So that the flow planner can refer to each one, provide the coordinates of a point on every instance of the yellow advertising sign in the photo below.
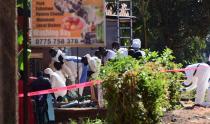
(74, 23)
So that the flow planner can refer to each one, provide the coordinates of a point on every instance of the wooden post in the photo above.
(8, 63)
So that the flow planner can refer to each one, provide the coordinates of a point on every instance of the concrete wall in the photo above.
(8, 69)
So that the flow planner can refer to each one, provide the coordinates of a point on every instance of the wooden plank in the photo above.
(36, 55)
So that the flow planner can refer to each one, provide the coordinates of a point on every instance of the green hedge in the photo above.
(136, 91)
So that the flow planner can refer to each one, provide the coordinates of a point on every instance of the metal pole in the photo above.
(78, 65)
(118, 21)
(131, 21)
(78, 80)
(25, 62)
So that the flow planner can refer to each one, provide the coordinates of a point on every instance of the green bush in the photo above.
(119, 81)
(166, 60)
(153, 88)
(136, 91)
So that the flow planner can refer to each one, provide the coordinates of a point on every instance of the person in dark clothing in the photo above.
(115, 46)
(41, 83)
(41, 106)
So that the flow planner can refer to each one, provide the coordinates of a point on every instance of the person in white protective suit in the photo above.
(58, 56)
(95, 65)
(119, 50)
(57, 80)
(135, 51)
(110, 54)
(197, 77)
(68, 70)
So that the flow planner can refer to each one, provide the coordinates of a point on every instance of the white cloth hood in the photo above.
(123, 51)
(93, 62)
(59, 53)
(136, 43)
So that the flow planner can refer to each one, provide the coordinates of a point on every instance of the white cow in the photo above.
(197, 77)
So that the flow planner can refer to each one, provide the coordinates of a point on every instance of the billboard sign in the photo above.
(73, 23)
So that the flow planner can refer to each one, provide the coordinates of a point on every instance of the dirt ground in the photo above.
(188, 115)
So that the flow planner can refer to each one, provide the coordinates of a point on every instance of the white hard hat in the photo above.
(136, 43)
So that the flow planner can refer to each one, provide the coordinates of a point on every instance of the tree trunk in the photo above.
(144, 12)
(8, 64)
(145, 33)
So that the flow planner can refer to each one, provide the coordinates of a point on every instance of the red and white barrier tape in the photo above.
(184, 69)
(86, 84)
(74, 86)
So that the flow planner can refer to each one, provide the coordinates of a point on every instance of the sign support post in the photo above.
(25, 62)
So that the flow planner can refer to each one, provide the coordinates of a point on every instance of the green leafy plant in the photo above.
(166, 60)
(136, 91)
(20, 52)
(89, 121)
(119, 82)
(153, 88)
